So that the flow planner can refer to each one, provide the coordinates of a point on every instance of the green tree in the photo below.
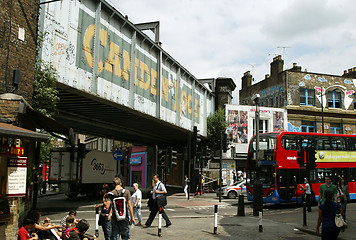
(45, 96)
(216, 125)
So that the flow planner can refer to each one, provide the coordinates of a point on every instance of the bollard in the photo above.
(260, 228)
(97, 221)
(215, 219)
(160, 222)
(241, 206)
(304, 214)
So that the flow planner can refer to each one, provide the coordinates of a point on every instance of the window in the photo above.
(263, 126)
(307, 97)
(308, 126)
(338, 143)
(334, 99)
(335, 128)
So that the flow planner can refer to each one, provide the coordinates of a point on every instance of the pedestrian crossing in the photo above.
(209, 207)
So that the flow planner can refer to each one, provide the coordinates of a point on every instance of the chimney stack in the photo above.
(277, 66)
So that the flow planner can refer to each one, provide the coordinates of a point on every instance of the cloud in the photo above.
(223, 38)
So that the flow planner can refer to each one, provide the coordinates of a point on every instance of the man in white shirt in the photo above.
(158, 190)
(136, 201)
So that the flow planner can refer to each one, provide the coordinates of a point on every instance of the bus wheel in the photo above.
(232, 195)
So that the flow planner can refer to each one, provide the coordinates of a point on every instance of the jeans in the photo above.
(137, 210)
(107, 228)
(120, 228)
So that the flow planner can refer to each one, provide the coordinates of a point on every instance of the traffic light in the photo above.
(195, 141)
(198, 160)
(312, 158)
(300, 157)
(224, 143)
(161, 157)
(172, 157)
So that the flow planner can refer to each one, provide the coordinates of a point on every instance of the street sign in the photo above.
(118, 155)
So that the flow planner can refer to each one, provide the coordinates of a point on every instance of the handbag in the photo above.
(161, 201)
(339, 221)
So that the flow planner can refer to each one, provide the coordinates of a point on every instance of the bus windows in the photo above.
(338, 144)
(289, 142)
(323, 143)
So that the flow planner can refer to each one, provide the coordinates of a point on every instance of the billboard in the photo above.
(240, 120)
(99, 51)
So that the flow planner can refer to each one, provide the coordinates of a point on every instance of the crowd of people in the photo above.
(118, 212)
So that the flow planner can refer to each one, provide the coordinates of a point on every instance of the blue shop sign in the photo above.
(135, 160)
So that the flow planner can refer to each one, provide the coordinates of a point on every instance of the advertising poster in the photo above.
(17, 175)
(278, 121)
(237, 128)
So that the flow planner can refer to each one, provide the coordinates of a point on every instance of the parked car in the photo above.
(232, 191)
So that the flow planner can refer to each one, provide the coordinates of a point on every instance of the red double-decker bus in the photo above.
(282, 176)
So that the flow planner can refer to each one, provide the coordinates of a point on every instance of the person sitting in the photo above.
(72, 213)
(78, 233)
(69, 225)
(43, 231)
(24, 233)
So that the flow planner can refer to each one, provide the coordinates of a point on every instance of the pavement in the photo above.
(197, 221)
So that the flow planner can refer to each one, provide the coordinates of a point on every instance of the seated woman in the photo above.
(43, 231)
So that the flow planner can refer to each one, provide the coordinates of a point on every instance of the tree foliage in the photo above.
(216, 125)
(45, 93)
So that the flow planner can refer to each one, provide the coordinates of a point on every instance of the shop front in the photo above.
(138, 166)
(19, 160)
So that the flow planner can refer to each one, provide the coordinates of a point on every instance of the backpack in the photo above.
(120, 205)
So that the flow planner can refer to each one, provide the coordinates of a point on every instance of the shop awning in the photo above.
(8, 130)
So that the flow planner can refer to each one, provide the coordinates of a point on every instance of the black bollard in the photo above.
(304, 214)
(241, 206)
(97, 221)
(215, 219)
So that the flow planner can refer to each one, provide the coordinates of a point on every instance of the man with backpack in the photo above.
(121, 200)
(159, 190)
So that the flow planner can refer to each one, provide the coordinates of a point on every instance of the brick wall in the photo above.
(14, 52)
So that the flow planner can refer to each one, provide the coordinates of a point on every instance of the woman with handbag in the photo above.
(327, 214)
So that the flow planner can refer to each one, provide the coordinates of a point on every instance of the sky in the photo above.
(226, 38)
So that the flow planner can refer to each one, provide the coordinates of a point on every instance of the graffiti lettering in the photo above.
(118, 63)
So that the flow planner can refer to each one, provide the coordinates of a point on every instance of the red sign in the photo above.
(13, 151)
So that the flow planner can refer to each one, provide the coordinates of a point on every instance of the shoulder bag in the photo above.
(161, 200)
(339, 221)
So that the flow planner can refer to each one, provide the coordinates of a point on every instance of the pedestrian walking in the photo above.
(186, 186)
(120, 227)
(105, 216)
(327, 186)
(345, 189)
(327, 212)
(136, 201)
(158, 190)
(308, 194)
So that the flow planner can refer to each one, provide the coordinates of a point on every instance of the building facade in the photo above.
(315, 102)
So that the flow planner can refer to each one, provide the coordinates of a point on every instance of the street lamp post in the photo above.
(322, 109)
(257, 185)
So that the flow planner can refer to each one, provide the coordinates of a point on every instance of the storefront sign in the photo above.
(16, 176)
(135, 160)
(14, 151)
